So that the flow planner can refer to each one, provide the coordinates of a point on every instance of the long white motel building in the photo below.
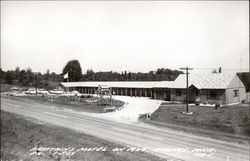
(226, 88)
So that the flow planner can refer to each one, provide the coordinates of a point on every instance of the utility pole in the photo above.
(36, 82)
(187, 92)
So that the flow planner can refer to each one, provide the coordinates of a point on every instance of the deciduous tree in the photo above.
(74, 70)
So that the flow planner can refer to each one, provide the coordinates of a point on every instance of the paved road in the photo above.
(160, 141)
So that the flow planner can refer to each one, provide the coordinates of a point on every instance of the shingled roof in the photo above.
(205, 80)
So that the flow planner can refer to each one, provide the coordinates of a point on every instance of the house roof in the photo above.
(200, 81)
(205, 80)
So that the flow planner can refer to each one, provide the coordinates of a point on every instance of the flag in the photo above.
(66, 76)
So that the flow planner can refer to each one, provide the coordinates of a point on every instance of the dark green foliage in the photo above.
(245, 78)
(29, 78)
(2, 74)
(9, 77)
(74, 70)
(159, 75)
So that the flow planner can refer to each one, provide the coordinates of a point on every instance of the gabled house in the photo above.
(225, 88)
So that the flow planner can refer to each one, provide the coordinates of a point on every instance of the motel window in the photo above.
(197, 93)
(213, 94)
(178, 92)
(236, 93)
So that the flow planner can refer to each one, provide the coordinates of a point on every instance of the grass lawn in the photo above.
(232, 120)
(75, 103)
(20, 135)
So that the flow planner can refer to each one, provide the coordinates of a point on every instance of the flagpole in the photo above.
(68, 79)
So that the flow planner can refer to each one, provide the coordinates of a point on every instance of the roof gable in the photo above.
(205, 80)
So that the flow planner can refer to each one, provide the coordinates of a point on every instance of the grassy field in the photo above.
(76, 103)
(233, 120)
(19, 136)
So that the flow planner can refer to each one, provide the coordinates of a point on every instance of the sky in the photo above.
(136, 36)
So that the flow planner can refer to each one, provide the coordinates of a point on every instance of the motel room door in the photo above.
(163, 95)
(167, 96)
(193, 93)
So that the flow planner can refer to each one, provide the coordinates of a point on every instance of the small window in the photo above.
(178, 92)
(197, 93)
(236, 93)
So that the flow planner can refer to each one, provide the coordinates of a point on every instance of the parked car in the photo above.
(72, 93)
(31, 91)
(16, 89)
(24, 89)
(75, 93)
(56, 91)
(42, 91)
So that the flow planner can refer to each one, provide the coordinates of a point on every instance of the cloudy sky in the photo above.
(133, 36)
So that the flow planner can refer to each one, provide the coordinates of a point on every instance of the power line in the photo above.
(232, 69)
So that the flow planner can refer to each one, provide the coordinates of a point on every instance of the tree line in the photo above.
(74, 71)
(49, 80)
(160, 74)
(26, 77)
